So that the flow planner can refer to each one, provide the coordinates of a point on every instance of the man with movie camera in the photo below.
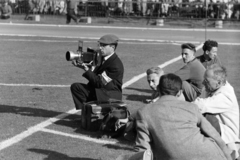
(105, 80)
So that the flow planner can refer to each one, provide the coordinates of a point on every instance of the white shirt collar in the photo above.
(105, 58)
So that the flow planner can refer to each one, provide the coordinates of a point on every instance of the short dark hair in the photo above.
(189, 46)
(170, 84)
(209, 44)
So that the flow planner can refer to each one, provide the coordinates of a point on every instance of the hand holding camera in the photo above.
(80, 64)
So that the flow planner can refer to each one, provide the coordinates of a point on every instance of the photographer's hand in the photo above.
(80, 65)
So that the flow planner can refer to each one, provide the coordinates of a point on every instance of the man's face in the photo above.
(106, 49)
(212, 53)
(153, 81)
(187, 55)
(210, 83)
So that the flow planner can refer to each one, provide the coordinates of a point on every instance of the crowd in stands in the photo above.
(221, 9)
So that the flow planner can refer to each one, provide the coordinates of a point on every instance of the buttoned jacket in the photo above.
(113, 67)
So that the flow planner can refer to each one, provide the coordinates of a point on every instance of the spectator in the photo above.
(191, 73)
(175, 129)
(71, 11)
(150, 7)
(31, 5)
(153, 76)
(165, 6)
(236, 10)
(229, 10)
(128, 9)
(222, 104)
(143, 7)
(209, 56)
(59, 7)
(105, 81)
(5, 10)
(13, 5)
(211, 11)
(41, 6)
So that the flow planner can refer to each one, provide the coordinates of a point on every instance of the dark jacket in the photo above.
(193, 73)
(114, 69)
(170, 128)
(207, 61)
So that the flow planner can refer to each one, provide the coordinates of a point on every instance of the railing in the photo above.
(132, 8)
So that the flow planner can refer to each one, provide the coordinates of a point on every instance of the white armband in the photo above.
(105, 79)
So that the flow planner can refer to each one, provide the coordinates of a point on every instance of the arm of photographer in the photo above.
(109, 79)
(97, 81)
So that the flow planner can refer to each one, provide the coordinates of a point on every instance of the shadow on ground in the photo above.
(116, 147)
(139, 90)
(135, 97)
(27, 111)
(72, 121)
(53, 155)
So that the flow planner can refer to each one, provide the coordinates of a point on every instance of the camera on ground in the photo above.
(91, 57)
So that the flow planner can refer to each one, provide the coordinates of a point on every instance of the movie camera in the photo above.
(91, 57)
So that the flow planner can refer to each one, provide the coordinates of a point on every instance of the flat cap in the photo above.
(108, 39)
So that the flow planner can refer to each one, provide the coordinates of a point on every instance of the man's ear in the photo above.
(219, 83)
(180, 96)
(179, 93)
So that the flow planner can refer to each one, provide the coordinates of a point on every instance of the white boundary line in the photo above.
(33, 85)
(117, 27)
(36, 128)
(39, 127)
(136, 78)
(57, 41)
(87, 138)
(96, 38)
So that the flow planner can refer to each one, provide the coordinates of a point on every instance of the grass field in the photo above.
(35, 80)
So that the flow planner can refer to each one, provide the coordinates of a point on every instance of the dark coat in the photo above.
(171, 129)
(114, 69)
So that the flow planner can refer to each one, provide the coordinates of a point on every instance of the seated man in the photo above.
(221, 102)
(5, 10)
(209, 56)
(153, 76)
(175, 129)
(191, 73)
(105, 81)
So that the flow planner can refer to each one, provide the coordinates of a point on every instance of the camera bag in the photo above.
(93, 113)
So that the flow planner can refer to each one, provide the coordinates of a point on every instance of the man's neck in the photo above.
(206, 57)
(191, 60)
